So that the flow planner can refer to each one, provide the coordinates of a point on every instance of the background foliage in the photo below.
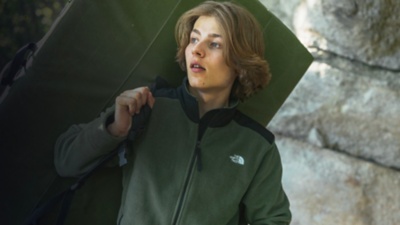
(24, 21)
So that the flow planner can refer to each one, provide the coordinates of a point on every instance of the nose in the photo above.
(198, 49)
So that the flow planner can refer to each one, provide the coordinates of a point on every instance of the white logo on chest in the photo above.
(237, 159)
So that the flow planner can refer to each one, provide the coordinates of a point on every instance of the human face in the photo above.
(206, 67)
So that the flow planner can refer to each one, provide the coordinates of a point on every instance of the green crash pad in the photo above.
(94, 51)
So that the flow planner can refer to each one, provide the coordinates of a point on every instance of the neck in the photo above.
(209, 101)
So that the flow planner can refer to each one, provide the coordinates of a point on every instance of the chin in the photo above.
(195, 82)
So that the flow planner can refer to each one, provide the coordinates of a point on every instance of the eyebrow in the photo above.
(210, 35)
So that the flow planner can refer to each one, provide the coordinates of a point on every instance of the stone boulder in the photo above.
(339, 130)
(329, 188)
(347, 107)
(366, 31)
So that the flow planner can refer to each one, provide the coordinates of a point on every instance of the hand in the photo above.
(127, 105)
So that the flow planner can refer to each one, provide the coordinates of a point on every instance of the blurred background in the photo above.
(24, 21)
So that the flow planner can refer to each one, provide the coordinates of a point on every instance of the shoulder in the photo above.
(248, 123)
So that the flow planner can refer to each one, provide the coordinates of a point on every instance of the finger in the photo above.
(133, 105)
(150, 99)
(125, 103)
(138, 101)
(142, 96)
(146, 97)
(135, 99)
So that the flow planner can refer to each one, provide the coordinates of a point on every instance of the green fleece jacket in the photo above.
(221, 169)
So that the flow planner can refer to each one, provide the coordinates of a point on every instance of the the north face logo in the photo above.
(237, 159)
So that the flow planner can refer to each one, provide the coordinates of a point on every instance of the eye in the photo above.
(215, 45)
(193, 40)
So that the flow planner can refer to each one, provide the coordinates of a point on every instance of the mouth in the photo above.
(196, 66)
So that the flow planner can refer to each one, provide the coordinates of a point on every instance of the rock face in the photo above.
(346, 107)
(365, 31)
(339, 130)
(327, 188)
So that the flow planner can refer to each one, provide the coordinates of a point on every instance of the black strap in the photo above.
(65, 197)
(10, 70)
(17, 63)
(40, 211)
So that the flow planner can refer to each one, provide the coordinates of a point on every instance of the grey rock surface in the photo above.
(329, 188)
(366, 31)
(345, 107)
(339, 130)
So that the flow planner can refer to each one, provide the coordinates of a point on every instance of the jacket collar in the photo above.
(214, 118)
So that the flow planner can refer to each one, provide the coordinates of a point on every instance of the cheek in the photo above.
(188, 50)
(219, 59)
(187, 56)
(221, 62)
(229, 72)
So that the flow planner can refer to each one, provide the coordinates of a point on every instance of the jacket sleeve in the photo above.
(81, 146)
(265, 201)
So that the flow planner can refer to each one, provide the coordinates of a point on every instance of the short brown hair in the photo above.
(244, 48)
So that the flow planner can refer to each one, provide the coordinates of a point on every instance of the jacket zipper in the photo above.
(196, 154)
(185, 188)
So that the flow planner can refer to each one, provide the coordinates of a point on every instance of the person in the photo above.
(200, 160)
